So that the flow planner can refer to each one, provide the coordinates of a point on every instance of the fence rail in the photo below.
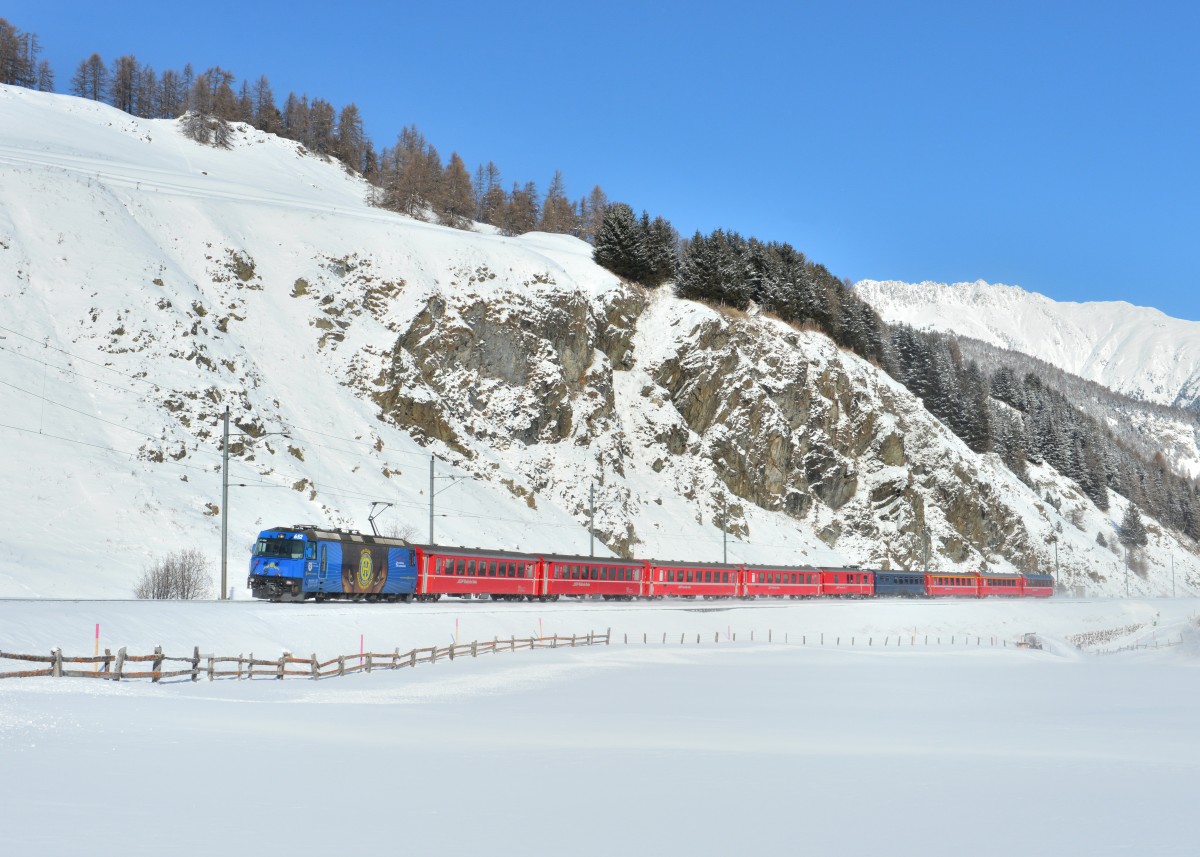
(113, 667)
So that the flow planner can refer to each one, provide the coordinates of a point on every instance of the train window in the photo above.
(690, 575)
(670, 575)
(637, 574)
(594, 573)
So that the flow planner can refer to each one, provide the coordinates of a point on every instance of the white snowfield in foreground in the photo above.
(695, 749)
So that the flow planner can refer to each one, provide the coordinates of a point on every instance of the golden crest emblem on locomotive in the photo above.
(366, 569)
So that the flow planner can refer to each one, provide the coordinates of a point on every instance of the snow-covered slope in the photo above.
(1137, 351)
(147, 283)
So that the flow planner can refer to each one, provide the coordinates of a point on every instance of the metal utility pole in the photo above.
(454, 481)
(724, 529)
(225, 506)
(224, 596)
(592, 520)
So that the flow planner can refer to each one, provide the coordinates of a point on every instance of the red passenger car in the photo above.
(467, 573)
(847, 582)
(615, 579)
(952, 583)
(1038, 585)
(781, 581)
(1000, 584)
(710, 580)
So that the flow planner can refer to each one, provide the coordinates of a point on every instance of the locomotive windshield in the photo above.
(281, 548)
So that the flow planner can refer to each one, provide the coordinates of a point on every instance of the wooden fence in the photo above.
(116, 667)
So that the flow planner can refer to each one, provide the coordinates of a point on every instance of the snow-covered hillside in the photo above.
(1137, 351)
(148, 282)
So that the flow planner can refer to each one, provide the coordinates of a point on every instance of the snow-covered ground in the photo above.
(714, 748)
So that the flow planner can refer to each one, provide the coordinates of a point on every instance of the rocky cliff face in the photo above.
(738, 416)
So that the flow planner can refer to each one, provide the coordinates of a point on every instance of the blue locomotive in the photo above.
(299, 562)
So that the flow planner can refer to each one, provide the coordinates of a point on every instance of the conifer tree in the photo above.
(662, 243)
(123, 83)
(457, 199)
(266, 114)
(1132, 532)
(558, 214)
(621, 244)
(91, 79)
(172, 97)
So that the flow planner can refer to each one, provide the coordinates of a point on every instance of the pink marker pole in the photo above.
(97, 663)
(361, 650)
(456, 630)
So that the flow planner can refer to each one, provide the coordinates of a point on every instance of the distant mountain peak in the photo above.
(1138, 351)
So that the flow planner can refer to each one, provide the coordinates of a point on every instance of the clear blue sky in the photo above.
(1051, 145)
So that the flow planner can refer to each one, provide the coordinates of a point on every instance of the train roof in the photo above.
(688, 563)
(334, 533)
(782, 567)
(591, 560)
(447, 550)
(1000, 575)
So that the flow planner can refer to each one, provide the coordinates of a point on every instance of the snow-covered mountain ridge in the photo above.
(149, 282)
(1137, 351)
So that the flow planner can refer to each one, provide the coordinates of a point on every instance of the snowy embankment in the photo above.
(718, 748)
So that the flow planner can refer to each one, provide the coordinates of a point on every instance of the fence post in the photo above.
(120, 663)
(512, 642)
(316, 668)
(451, 648)
(608, 637)
(370, 661)
(158, 662)
(250, 667)
(56, 664)
(716, 636)
(770, 635)
(664, 638)
(396, 658)
(212, 667)
(282, 663)
(196, 664)
(412, 659)
(341, 665)
(474, 648)
(107, 661)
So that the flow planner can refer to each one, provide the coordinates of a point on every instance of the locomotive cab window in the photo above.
(280, 548)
